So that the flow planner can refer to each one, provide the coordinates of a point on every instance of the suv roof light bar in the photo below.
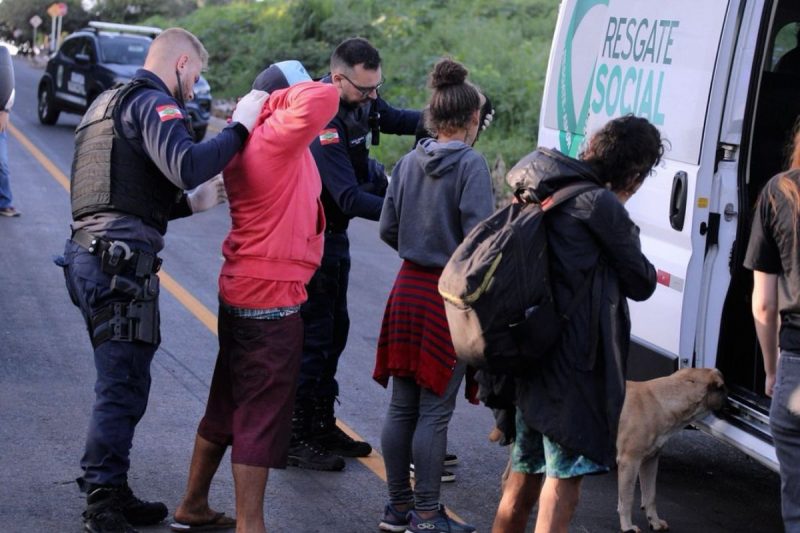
(129, 28)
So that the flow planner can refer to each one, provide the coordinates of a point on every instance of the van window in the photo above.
(783, 58)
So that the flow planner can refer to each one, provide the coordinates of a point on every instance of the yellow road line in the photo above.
(203, 313)
(40, 157)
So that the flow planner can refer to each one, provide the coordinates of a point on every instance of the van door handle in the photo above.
(677, 201)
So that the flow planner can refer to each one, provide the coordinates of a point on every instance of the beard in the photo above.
(352, 105)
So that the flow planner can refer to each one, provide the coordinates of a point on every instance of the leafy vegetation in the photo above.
(504, 43)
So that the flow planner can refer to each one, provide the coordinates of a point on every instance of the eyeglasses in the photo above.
(365, 91)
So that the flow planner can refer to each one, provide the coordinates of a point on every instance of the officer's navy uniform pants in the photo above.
(326, 321)
(123, 375)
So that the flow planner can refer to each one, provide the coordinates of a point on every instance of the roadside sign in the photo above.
(35, 21)
(58, 9)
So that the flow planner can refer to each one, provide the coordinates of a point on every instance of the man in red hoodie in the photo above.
(273, 248)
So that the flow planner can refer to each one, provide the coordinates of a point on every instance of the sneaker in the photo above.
(394, 520)
(340, 443)
(450, 459)
(103, 513)
(9, 212)
(307, 454)
(441, 523)
(447, 476)
(139, 512)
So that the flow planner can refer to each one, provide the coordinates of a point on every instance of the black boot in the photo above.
(103, 512)
(329, 436)
(139, 512)
(303, 451)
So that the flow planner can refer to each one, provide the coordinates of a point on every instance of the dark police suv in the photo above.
(96, 58)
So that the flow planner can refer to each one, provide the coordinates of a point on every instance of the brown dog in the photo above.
(655, 410)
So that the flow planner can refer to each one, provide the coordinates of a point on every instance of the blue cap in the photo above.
(281, 75)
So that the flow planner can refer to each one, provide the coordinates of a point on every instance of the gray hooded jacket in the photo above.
(438, 193)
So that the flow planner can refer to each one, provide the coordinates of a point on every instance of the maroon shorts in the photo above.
(252, 392)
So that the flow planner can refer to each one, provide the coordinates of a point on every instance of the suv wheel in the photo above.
(48, 112)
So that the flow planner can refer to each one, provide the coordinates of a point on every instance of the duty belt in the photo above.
(117, 256)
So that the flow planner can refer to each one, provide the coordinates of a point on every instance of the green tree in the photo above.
(134, 11)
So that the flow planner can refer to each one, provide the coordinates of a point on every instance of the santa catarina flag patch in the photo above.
(330, 136)
(168, 112)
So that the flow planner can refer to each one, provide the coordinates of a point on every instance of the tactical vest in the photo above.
(109, 175)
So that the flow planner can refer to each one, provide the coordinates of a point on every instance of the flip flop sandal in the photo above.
(220, 521)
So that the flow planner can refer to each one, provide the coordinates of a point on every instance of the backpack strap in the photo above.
(565, 193)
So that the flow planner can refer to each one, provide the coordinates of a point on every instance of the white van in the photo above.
(712, 76)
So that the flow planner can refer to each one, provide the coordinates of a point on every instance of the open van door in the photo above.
(758, 124)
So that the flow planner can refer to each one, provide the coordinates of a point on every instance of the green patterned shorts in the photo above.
(534, 453)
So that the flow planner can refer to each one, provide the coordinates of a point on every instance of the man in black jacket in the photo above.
(353, 186)
(568, 410)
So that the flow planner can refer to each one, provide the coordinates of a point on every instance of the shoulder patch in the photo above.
(168, 112)
(329, 136)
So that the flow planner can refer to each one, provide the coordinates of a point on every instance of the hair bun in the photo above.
(448, 72)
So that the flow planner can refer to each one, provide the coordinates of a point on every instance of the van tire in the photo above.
(46, 108)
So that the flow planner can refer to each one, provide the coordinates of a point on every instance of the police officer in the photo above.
(353, 186)
(134, 156)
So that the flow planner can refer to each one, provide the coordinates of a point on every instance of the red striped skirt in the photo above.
(415, 339)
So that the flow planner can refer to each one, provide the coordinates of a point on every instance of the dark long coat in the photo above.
(576, 396)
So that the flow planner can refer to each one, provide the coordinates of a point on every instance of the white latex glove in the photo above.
(248, 108)
(487, 120)
(207, 195)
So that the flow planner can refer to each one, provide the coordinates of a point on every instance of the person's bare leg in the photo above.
(520, 492)
(557, 504)
(194, 508)
(250, 482)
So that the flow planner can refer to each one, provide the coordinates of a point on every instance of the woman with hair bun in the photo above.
(438, 193)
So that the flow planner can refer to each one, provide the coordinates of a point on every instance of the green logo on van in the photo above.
(572, 125)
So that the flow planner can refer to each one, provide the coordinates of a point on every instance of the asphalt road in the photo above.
(46, 377)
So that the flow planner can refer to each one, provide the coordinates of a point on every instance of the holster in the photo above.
(133, 321)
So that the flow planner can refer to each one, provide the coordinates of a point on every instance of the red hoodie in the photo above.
(276, 238)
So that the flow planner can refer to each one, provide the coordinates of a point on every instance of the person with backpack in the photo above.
(569, 402)
(439, 192)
